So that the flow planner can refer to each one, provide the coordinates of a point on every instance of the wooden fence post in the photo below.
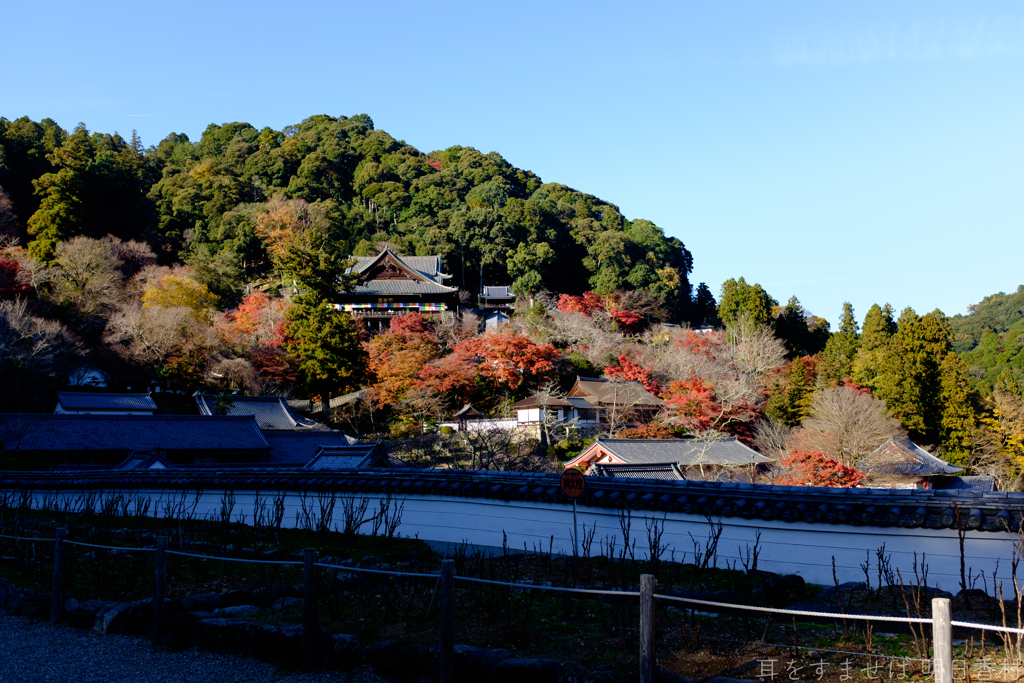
(57, 597)
(309, 616)
(447, 621)
(648, 655)
(942, 637)
(159, 576)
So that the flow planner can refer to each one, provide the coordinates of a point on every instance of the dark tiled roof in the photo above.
(145, 461)
(271, 412)
(666, 470)
(907, 508)
(981, 484)
(75, 400)
(427, 266)
(607, 392)
(307, 406)
(295, 449)
(468, 411)
(904, 457)
(684, 452)
(497, 293)
(358, 456)
(580, 403)
(398, 287)
(30, 432)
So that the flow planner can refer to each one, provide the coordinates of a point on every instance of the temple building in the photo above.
(390, 285)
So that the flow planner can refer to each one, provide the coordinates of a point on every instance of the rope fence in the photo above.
(941, 621)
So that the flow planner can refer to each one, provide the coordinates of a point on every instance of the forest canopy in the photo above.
(218, 205)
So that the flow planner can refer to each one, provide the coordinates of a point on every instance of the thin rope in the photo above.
(25, 538)
(531, 586)
(110, 547)
(231, 559)
(799, 613)
(374, 571)
(987, 627)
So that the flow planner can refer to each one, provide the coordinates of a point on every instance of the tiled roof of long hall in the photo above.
(994, 511)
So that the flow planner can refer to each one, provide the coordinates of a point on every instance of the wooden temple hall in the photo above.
(390, 285)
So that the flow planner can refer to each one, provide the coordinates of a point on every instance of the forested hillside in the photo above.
(991, 340)
(220, 204)
(210, 265)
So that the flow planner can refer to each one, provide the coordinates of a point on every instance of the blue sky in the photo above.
(864, 152)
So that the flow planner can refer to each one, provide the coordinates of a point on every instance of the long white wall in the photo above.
(787, 548)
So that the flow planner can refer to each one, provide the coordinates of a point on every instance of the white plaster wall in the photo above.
(788, 548)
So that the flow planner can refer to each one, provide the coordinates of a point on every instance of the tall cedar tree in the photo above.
(879, 327)
(325, 342)
(836, 361)
(958, 417)
(705, 307)
(803, 334)
(910, 383)
(793, 392)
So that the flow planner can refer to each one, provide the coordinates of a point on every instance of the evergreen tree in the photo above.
(836, 362)
(910, 383)
(802, 333)
(739, 298)
(61, 215)
(958, 416)
(879, 328)
(325, 342)
(792, 395)
(705, 307)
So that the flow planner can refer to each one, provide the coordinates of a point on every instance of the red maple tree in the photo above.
(693, 405)
(13, 279)
(396, 356)
(510, 358)
(653, 430)
(586, 304)
(257, 321)
(454, 375)
(627, 369)
(814, 468)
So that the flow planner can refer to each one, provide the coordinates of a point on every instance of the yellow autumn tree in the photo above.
(281, 223)
(180, 291)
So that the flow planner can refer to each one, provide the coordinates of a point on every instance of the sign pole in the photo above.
(576, 528)
(573, 486)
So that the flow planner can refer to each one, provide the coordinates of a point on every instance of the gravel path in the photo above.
(33, 651)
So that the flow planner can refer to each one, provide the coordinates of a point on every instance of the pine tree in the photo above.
(958, 416)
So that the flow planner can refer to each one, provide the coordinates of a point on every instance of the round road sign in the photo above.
(573, 483)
